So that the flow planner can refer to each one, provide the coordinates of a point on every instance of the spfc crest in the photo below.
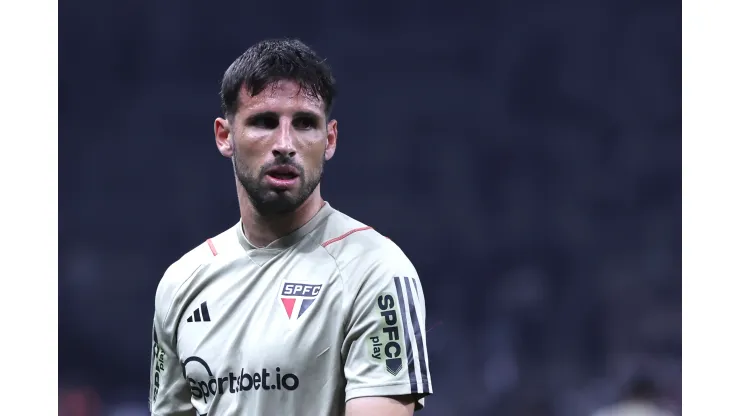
(297, 297)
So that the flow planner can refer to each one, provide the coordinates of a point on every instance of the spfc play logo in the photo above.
(297, 297)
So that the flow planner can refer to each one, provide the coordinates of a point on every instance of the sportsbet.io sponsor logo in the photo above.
(233, 382)
(386, 346)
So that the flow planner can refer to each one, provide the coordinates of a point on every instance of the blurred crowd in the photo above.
(526, 158)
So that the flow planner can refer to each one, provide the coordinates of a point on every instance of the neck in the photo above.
(261, 230)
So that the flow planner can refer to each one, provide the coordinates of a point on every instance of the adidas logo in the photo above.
(200, 314)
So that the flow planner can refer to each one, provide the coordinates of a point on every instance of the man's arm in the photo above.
(169, 392)
(386, 364)
(387, 406)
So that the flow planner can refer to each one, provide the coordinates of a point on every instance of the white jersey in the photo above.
(331, 312)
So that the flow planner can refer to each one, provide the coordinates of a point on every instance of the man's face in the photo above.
(278, 142)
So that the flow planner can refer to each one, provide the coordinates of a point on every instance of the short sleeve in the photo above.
(169, 392)
(386, 334)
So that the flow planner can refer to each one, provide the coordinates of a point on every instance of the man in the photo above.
(298, 309)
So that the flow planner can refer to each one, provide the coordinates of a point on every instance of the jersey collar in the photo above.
(290, 239)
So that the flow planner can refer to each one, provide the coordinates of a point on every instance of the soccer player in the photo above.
(297, 309)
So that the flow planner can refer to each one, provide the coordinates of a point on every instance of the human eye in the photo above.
(263, 121)
(305, 122)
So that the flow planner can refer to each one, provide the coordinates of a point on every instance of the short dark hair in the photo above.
(274, 60)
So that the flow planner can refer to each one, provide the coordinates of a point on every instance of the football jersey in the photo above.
(328, 313)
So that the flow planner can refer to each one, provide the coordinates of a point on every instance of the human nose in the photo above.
(284, 144)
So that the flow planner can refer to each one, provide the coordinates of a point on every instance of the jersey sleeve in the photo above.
(169, 392)
(386, 332)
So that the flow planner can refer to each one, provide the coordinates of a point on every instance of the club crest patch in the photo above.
(297, 298)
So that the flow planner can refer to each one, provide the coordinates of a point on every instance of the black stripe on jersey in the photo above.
(206, 315)
(419, 336)
(155, 347)
(407, 337)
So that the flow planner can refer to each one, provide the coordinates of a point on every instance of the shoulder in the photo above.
(363, 254)
(182, 270)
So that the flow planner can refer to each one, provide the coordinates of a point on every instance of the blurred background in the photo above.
(524, 154)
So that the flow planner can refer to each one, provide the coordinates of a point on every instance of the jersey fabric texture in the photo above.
(331, 312)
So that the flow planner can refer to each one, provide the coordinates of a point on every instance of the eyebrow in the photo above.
(308, 114)
(297, 114)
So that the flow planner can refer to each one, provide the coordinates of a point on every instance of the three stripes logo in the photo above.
(200, 314)
(401, 340)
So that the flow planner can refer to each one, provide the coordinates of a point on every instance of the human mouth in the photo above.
(282, 177)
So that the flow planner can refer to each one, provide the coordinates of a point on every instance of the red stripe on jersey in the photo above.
(212, 247)
(343, 236)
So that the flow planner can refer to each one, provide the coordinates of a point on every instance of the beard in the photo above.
(269, 202)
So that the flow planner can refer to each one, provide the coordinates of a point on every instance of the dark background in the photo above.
(524, 154)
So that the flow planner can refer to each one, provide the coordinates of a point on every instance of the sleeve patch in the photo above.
(386, 346)
(399, 342)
